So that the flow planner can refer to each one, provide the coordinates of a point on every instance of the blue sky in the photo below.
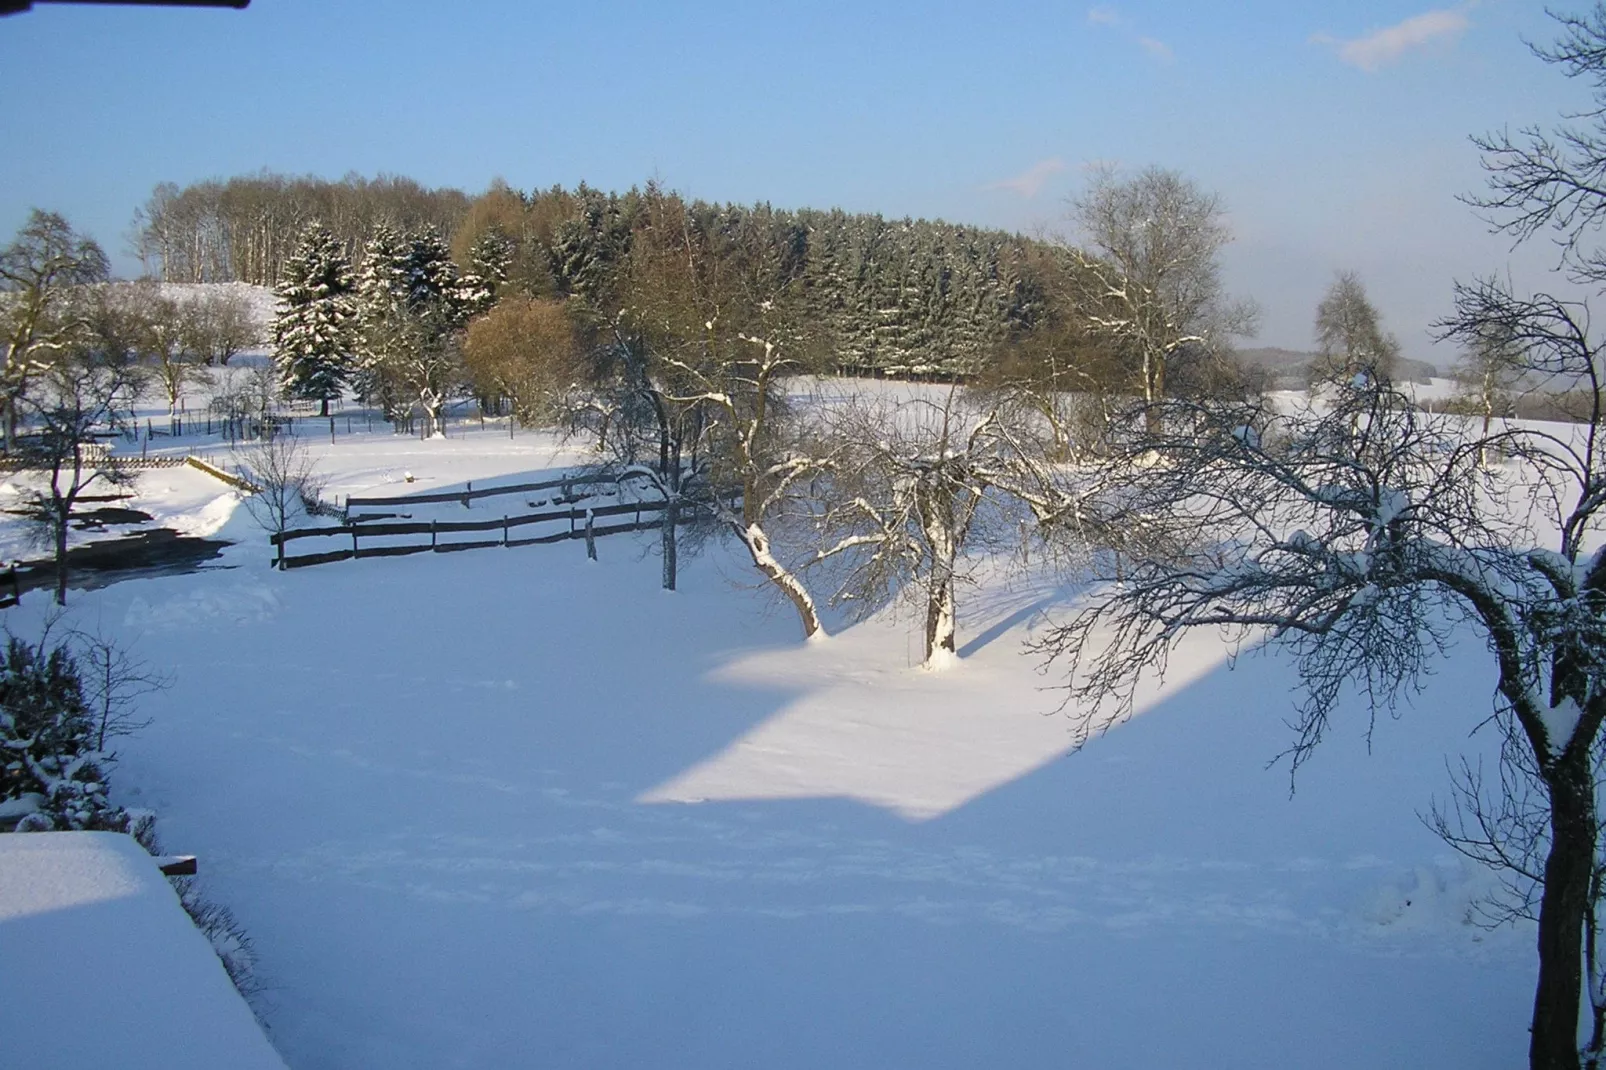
(1336, 133)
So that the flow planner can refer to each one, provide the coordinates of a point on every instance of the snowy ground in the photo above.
(512, 806)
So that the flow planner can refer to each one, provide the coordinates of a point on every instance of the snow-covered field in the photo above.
(512, 807)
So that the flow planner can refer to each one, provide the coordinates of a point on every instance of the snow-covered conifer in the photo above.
(489, 259)
(312, 334)
(411, 305)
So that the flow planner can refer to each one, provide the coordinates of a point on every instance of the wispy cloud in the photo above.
(1030, 181)
(1385, 46)
(1158, 49)
(1112, 19)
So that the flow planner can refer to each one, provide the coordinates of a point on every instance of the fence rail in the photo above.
(582, 525)
(466, 496)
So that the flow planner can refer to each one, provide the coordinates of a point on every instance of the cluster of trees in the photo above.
(1356, 531)
(79, 349)
(245, 228)
(392, 330)
(899, 296)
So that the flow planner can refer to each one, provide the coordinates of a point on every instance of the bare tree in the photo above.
(1152, 284)
(216, 326)
(113, 678)
(690, 347)
(762, 458)
(915, 482)
(70, 404)
(1550, 179)
(1488, 374)
(162, 337)
(1356, 535)
(1350, 340)
(42, 273)
(287, 484)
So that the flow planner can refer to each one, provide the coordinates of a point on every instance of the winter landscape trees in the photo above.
(1086, 397)
(1359, 534)
(1150, 283)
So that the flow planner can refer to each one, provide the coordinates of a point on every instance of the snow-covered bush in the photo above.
(54, 775)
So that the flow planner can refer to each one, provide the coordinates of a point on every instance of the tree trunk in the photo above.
(667, 540)
(1562, 907)
(758, 546)
(61, 558)
(940, 628)
(936, 507)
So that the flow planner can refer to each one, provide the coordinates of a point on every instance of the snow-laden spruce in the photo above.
(313, 332)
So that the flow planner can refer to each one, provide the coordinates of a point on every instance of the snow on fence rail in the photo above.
(466, 496)
(581, 526)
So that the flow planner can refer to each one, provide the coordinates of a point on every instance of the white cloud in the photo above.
(1113, 19)
(1384, 46)
(1157, 49)
(1030, 181)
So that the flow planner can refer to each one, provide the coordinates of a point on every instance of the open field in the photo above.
(513, 806)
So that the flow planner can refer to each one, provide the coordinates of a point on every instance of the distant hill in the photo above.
(1287, 366)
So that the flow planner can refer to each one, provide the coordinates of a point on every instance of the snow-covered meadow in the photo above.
(511, 806)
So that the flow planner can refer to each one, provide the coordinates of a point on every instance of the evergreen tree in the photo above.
(381, 306)
(489, 259)
(411, 307)
(312, 334)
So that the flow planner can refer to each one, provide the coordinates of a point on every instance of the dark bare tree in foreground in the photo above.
(1357, 535)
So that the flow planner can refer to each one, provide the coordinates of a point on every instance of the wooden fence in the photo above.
(470, 494)
(582, 525)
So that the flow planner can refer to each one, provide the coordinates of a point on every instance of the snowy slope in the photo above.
(264, 305)
(511, 806)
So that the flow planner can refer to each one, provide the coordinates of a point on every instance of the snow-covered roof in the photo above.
(103, 968)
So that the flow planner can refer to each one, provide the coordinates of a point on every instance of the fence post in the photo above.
(331, 430)
(591, 539)
(432, 534)
(354, 542)
(504, 531)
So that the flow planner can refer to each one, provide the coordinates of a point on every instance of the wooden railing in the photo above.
(581, 525)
